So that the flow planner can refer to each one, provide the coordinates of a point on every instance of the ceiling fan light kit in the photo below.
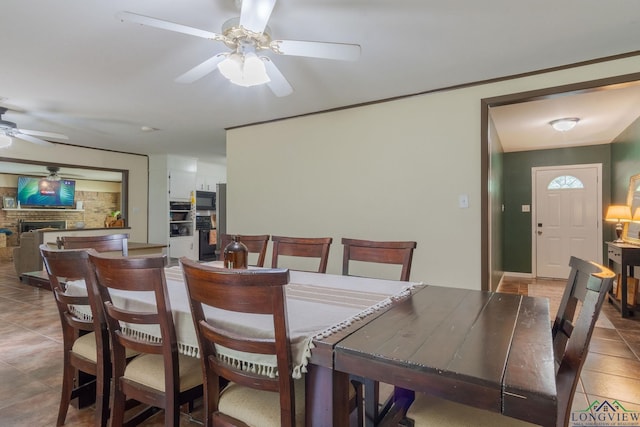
(564, 125)
(244, 69)
(53, 173)
(246, 36)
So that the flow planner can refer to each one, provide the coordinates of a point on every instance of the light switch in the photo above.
(463, 201)
(526, 208)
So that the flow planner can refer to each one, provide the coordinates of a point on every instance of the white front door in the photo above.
(566, 218)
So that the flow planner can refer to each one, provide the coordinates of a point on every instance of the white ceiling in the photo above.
(603, 115)
(70, 66)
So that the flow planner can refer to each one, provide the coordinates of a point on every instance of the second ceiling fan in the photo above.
(247, 36)
(10, 130)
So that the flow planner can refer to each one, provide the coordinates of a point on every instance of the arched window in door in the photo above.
(565, 182)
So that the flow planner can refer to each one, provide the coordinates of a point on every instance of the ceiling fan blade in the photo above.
(255, 14)
(166, 25)
(340, 51)
(43, 134)
(199, 71)
(278, 84)
(33, 139)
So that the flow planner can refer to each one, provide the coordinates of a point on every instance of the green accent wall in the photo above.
(517, 191)
(625, 160)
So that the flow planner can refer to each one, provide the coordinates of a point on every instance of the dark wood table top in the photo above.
(489, 350)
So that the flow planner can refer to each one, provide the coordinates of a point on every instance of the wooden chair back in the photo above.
(140, 274)
(317, 247)
(62, 266)
(249, 292)
(106, 243)
(256, 244)
(400, 253)
(588, 284)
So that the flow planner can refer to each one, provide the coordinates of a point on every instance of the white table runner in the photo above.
(317, 305)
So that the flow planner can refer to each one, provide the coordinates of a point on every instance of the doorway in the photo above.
(566, 218)
(492, 204)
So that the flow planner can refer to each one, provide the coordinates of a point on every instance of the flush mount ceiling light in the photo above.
(564, 125)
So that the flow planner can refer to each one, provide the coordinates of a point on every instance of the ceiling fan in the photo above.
(9, 129)
(246, 36)
(52, 174)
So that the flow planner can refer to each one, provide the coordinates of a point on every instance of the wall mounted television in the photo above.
(41, 192)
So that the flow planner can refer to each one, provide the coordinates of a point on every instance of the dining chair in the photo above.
(105, 243)
(159, 376)
(256, 244)
(250, 397)
(317, 247)
(400, 253)
(587, 287)
(85, 341)
(384, 252)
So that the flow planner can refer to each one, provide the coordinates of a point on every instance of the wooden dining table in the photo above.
(488, 350)
(484, 349)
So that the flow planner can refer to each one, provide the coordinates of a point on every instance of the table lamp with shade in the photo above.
(618, 214)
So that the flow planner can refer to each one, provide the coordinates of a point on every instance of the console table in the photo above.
(627, 256)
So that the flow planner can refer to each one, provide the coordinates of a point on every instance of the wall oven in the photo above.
(206, 244)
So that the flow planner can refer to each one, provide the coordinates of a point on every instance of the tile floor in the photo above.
(31, 360)
(31, 367)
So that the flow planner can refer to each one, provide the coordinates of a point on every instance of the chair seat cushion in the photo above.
(85, 346)
(259, 407)
(432, 411)
(148, 369)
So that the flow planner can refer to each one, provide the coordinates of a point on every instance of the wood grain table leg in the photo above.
(327, 397)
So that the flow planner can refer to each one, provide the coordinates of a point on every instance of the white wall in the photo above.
(137, 165)
(388, 171)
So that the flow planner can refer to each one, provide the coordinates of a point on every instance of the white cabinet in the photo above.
(182, 246)
(205, 183)
(181, 184)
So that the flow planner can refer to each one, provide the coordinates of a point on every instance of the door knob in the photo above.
(539, 232)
